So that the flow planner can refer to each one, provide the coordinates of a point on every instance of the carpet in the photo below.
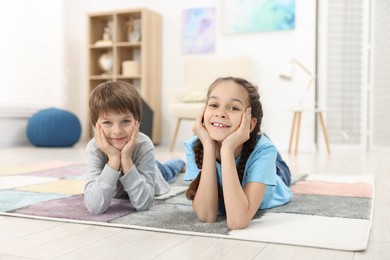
(327, 211)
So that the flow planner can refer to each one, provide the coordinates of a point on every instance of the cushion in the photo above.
(53, 127)
(198, 96)
(185, 110)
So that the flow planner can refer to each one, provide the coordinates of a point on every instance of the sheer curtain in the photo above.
(380, 76)
(31, 56)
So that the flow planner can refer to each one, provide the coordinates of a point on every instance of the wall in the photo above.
(13, 132)
(271, 51)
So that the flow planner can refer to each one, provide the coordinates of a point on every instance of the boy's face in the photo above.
(117, 127)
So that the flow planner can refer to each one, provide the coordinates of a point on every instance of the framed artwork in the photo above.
(246, 16)
(198, 34)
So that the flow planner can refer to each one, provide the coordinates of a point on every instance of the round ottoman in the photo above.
(53, 127)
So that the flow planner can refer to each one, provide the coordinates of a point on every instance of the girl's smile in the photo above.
(226, 105)
(219, 125)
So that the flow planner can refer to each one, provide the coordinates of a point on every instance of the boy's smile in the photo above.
(117, 127)
(117, 140)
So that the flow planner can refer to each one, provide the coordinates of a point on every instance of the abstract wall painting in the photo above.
(247, 16)
(198, 33)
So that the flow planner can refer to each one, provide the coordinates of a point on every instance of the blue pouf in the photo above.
(53, 127)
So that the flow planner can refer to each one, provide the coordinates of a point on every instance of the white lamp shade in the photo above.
(288, 72)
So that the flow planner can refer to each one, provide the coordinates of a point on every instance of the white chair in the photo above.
(186, 102)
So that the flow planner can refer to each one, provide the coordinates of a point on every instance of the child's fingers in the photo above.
(248, 114)
(199, 117)
(249, 111)
(100, 137)
(135, 130)
(96, 128)
(245, 117)
(136, 125)
(103, 138)
(134, 134)
(97, 132)
(246, 120)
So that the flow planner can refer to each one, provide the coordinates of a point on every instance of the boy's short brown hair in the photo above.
(114, 96)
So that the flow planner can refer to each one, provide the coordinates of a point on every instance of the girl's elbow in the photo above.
(205, 213)
(207, 218)
(237, 224)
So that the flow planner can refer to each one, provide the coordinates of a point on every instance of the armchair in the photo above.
(186, 102)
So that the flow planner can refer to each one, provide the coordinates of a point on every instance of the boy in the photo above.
(120, 159)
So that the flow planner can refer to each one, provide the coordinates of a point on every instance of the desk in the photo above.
(296, 125)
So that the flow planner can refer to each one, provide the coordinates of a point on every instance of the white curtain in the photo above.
(31, 56)
(381, 76)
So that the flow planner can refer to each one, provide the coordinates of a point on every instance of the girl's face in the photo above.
(225, 107)
(117, 127)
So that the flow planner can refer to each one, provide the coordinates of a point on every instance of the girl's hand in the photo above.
(242, 134)
(200, 130)
(112, 153)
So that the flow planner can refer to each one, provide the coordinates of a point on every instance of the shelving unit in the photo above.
(109, 36)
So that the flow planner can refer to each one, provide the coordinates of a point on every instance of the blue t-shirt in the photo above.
(260, 167)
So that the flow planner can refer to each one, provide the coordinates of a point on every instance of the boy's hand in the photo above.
(112, 153)
(128, 149)
(242, 134)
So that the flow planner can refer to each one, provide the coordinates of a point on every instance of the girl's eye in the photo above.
(213, 105)
(126, 121)
(234, 108)
(106, 122)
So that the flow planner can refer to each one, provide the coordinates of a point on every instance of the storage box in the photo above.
(130, 68)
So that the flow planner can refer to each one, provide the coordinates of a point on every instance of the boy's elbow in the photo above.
(145, 206)
(95, 210)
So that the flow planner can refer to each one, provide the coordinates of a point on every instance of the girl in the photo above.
(235, 170)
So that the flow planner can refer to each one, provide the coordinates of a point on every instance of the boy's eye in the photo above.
(126, 121)
(234, 108)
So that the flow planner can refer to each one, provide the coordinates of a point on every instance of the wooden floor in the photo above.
(22, 238)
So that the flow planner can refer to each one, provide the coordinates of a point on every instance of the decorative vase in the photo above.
(105, 62)
(134, 30)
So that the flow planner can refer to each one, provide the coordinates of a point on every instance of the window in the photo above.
(31, 56)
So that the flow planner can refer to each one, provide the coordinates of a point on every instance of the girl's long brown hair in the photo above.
(249, 145)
